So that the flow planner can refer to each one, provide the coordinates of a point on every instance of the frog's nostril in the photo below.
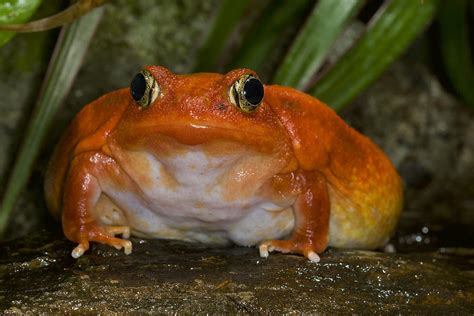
(221, 106)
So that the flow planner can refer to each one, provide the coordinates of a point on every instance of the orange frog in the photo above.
(216, 159)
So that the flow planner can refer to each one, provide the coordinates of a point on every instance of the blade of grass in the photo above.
(15, 12)
(267, 31)
(65, 63)
(393, 28)
(314, 40)
(228, 16)
(455, 48)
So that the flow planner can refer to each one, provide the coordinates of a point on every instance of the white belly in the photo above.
(195, 196)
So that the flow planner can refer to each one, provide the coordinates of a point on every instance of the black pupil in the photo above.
(138, 87)
(253, 91)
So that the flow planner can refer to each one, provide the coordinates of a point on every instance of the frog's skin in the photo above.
(290, 176)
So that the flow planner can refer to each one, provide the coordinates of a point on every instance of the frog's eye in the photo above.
(144, 88)
(246, 93)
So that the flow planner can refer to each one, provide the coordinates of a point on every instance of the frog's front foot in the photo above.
(104, 235)
(288, 246)
(311, 231)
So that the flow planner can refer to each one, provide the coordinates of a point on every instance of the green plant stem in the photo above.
(314, 40)
(455, 48)
(228, 16)
(266, 32)
(390, 32)
(65, 63)
(64, 17)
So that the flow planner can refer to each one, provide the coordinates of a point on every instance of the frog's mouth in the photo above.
(197, 133)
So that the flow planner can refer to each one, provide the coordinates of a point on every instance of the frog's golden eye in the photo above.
(246, 93)
(144, 88)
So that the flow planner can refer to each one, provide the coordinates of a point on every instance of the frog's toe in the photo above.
(118, 230)
(104, 235)
(117, 243)
(264, 250)
(80, 249)
(125, 244)
(288, 246)
(312, 256)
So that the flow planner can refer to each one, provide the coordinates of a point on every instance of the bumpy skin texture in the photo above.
(290, 177)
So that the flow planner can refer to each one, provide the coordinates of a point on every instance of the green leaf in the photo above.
(228, 16)
(264, 35)
(314, 40)
(390, 32)
(455, 48)
(15, 11)
(65, 63)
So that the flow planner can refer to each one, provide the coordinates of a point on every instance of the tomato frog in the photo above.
(220, 159)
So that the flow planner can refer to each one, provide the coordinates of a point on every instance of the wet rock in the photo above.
(38, 275)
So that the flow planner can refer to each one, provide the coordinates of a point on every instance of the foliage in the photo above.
(15, 11)
(390, 32)
(455, 48)
(64, 65)
(312, 45)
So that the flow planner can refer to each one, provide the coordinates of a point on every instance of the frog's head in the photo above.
(198, 108)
